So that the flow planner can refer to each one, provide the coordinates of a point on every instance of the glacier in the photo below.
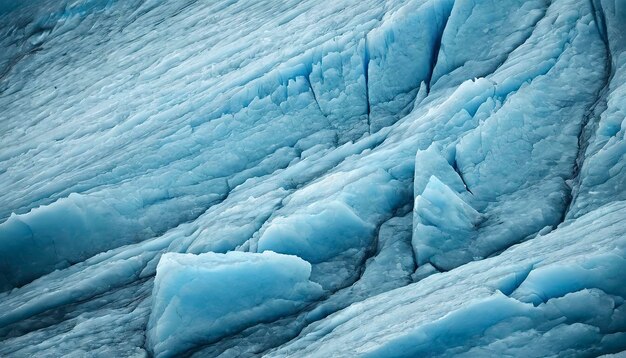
(400, 178)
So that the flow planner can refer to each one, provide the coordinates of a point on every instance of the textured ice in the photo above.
(202, 298)
(442, 222)
(296, 178)
(559, 294)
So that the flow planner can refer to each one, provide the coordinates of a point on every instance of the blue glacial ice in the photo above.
(202, 298)
(293, 178)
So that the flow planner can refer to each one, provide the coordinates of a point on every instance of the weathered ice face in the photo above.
(400, 178)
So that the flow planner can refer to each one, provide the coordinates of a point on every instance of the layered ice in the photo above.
(442, 222)
(561, 293)
(602, 176)
(296, 178)
(199, 299)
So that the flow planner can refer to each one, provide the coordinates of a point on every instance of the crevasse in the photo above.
(295, 178)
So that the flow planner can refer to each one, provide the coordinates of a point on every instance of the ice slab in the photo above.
(198, 299)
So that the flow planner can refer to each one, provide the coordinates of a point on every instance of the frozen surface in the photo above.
(432, 178)
(562, 293)
(202, 298)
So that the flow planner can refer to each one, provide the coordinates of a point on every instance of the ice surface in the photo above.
(503, 28)
(202, 298)
(557, 294)
(433, 178)
(602, 176)
(442, 222)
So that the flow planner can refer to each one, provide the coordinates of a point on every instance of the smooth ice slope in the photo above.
(200, 299)
(427, 161)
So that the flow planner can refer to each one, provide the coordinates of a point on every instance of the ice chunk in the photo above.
(199, 299)
(317, 237)
(431, 162)
(546, 283)
(328, 235)
(53, 237)
(442, 222)
(400, 55)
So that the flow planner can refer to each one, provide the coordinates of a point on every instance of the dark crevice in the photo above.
(4, 73)
(366, 66)
(307, 78)
(589, 121)
(501, 61)
(600, 20)
(460, 174)
(435, 54)
(520, 277)
(400, 211)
